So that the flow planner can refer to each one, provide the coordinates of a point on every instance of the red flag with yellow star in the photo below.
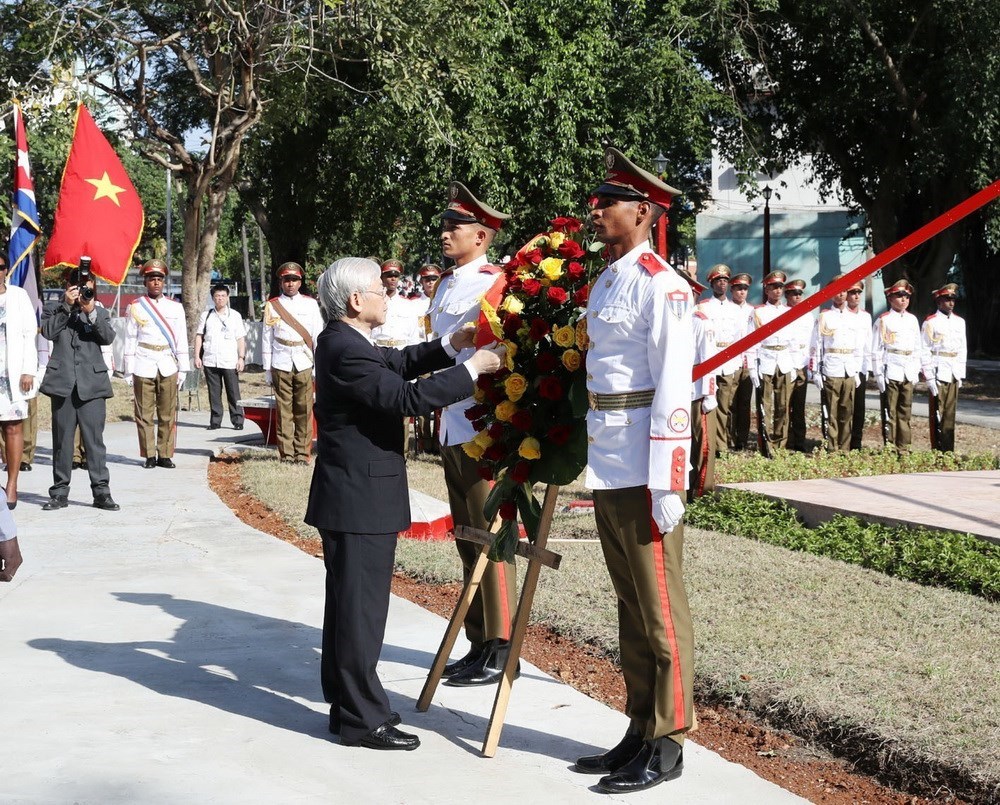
(99, 212)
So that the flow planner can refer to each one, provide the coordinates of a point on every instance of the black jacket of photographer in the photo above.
(76, 359)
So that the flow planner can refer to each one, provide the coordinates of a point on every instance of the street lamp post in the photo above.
(767, 230)
(660, 166)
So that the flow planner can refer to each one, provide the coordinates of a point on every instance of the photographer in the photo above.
(77, 382)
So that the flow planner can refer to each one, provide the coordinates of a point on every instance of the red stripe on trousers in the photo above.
(668, 621)
(504, 603)
(703, 473)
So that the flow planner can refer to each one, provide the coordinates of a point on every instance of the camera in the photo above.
(86, 292)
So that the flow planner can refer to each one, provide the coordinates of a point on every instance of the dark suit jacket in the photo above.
(76, 358)
(362, 394)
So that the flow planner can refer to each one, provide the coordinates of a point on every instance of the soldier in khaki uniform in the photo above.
(773, 365)
(801, 334)
(739, 418)
(156, 362)
(639, 362)
(896, 362)
(292, 322)
(943, 355)
(467, 229)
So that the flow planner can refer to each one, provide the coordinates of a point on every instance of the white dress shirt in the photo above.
(403, 324)
(147, 348)
(220, 335)
(281, 346)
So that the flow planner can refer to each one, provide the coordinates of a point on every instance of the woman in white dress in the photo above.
(18, 364)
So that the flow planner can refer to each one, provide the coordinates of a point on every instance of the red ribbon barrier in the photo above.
(866, 269)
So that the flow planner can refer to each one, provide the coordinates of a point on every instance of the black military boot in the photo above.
(659, 760)
(488, 669)
(474, 655)
(612, 760)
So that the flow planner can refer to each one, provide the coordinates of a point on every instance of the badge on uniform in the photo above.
(679, 420)
(678, 302)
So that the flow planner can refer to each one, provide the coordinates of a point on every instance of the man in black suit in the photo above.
(358, 499)
(77, 381)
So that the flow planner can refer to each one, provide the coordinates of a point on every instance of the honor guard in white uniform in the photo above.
(156, 361)
(896, 362)
(836, 357)
(774, 360)
(292, 322)
(943, 354)
(864, 323)
(426, 426)
(729, 325)
(801, 334)
(739, 417)
(639, 362)
(403, 317)
(467, 229)
(704, 394)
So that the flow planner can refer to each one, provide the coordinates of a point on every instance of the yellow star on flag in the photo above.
(106, 188)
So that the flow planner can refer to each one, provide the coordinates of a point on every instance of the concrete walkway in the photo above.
(169, 653)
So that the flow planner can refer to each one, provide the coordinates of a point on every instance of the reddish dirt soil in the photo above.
(779, 757)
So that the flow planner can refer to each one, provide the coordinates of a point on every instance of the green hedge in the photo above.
(960, 562)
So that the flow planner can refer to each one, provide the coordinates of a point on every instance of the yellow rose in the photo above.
(512, 304)
(530, 449)
(483, 439)
(582, 339)
(478, 394)
(473, 450)
(556, 239)
(508, 360)
(564, 336)
(571, 359)
(515, 385)
(505, 411)
(552, 268)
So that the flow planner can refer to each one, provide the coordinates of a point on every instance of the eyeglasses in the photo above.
(853, 291)
(430, 278)
(793, 293)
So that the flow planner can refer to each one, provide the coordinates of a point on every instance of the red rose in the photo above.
(571, 249)
(494, 452)
(519, 472)
(566, 223)
(531, 286)
(550, 388)
(534, 257)
(557, 295)
(485, 382)
(485, 473)
(539, 329)
(508, 510)
(581, 296)
(546, 362)
(511, 325)
(522, 420)
(514, 263)
(575, 270)
(495, 396)
(495, 430)
(476, 412)
(559, 434)
(479, 424)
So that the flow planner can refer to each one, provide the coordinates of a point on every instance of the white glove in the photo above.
(959, 381)
(857, 381)
(181, 376)
(668, 509)
(932, 386)
(267, 377)
(880, 382)
(817, 379)
(754, 377)
(128, 379)
(709, 403)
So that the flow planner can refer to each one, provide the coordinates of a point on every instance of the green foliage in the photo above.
(960, 562)
(736, 468)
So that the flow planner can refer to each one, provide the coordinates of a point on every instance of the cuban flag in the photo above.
(24, 228)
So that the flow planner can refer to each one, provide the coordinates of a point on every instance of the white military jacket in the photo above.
(943, 347)
(801, 331)
(774, 353)
(639, 322)
(282, 347)
(730, 323)
(456, 302)
(839, 343)
(863, 321)
(155, 338)
(896, 346)
(705, 347)
(403, 324)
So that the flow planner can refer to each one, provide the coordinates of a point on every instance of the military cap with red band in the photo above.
(290, 269)
(392, 266)
(900, 286)
(951, 289)
(718, 271)
(625, 179)
(775, 278)
(741, 279)
(692, 280)
(795, 285)
(430, 270)
(465, 208)
(153, 268)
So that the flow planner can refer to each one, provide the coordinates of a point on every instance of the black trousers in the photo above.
(214, 379)
(358, 579)
(67, 413)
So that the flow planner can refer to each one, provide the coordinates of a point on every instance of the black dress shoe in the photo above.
(474, 655)
(77, 465)
(659, 760)
(83, 465)
(214, 427)
(105, 502)
(387, 737)
(487, 670)
(612, 760)
(55, 503)
(25, 466)
(150, 463)
(393, 721)
(166, 463)
(238, 427)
